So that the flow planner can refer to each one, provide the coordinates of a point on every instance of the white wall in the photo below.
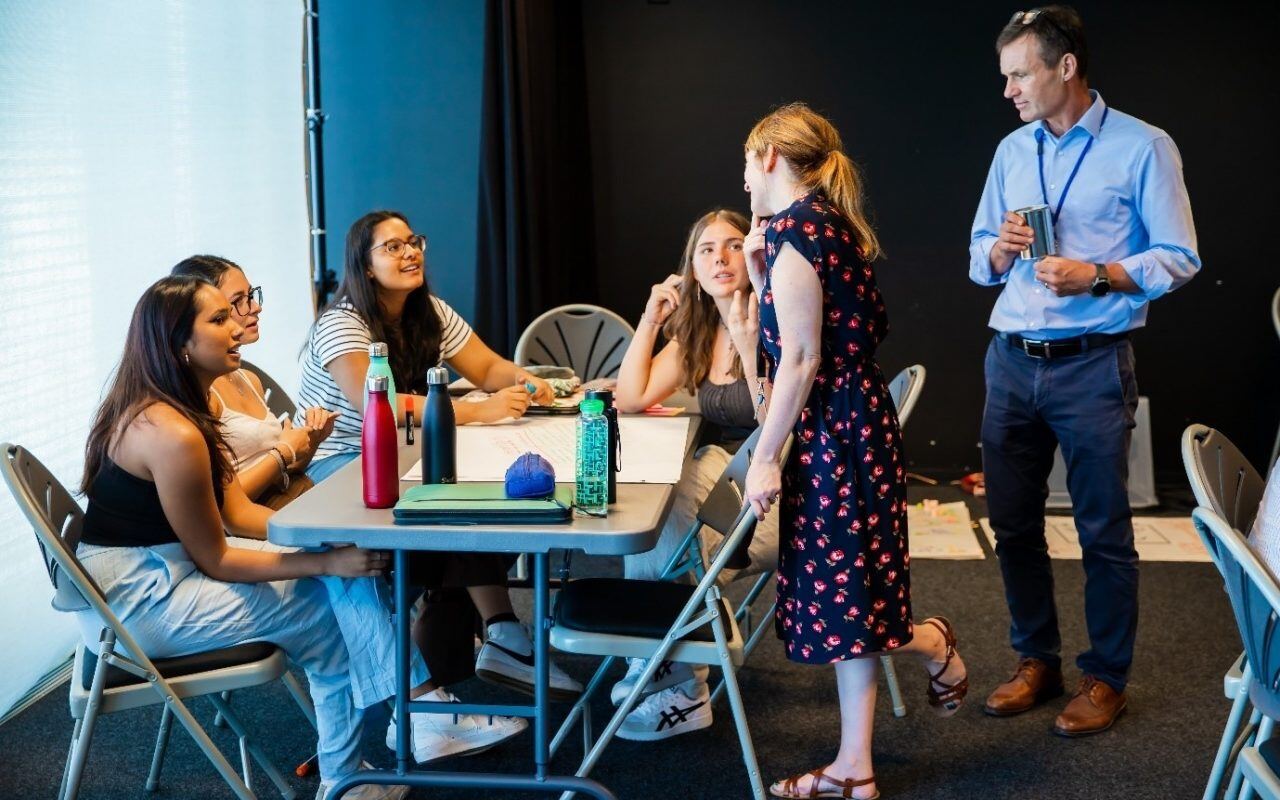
(132, 134)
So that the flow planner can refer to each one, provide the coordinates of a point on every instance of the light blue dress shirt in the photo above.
(1128, 204)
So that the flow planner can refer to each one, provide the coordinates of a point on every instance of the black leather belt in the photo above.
(1061, 348)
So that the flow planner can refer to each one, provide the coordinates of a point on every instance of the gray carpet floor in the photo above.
(1161, 748)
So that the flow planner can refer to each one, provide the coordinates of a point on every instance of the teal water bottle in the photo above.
(378, 365)
(591, 492)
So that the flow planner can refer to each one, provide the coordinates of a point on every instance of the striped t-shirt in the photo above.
(339, 331)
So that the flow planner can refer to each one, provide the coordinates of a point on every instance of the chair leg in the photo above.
(162, 742)
(730, 681)
(1229, 732)
(895, 691)
(80, 748)
(206, 745)
(66, 767)
(1244, 740)
(750, 645)
(581, 707)
(300, 697)
(218, 721)
(1264, 733)
(248, 747)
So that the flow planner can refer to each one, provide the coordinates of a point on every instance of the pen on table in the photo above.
(408, 426)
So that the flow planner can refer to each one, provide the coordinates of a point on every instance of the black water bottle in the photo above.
(615, 441)
(439, 431)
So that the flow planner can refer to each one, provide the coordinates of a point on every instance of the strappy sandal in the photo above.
(791, 791)
(946, 699)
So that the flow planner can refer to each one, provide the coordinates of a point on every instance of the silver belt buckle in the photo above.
(1036, 348)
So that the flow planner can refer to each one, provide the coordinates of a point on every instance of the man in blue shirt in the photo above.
(1060, 369)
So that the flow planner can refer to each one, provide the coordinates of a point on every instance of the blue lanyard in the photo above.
(1070, 178)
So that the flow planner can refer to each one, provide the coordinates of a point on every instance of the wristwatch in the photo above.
(1101, 286)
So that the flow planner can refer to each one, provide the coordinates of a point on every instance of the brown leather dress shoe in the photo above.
(1093, 709)
(1033, 683)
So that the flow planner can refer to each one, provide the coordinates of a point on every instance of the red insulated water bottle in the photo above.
(378, 453)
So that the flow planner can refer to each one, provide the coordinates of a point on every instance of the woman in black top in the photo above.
(692, 310)
(161, 490)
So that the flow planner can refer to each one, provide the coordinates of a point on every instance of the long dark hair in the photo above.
(414, 343)
(694, 322)
(152, 370)
(209, 269)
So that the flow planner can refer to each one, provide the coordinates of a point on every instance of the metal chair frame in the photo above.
(57, 521)
(1224, 482)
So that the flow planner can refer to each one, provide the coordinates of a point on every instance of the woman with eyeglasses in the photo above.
(269, 454)
(384, 297)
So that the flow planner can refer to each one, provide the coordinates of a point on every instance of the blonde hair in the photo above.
(693, 324)
(812, 146)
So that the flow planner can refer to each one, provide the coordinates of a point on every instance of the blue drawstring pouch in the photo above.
(530, 475)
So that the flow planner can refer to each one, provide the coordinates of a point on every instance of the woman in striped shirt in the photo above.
(384, 297)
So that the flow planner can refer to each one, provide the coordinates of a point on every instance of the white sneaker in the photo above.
(438, 736)
(368, 791)
(670, 712)
(668, 674)
(506, 658)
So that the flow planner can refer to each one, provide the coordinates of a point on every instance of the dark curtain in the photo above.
(536, 246)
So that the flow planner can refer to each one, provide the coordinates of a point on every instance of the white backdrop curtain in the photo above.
(132, 134)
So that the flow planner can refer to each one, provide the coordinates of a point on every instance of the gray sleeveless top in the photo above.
(728, 407)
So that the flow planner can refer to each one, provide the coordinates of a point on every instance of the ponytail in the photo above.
(837, 177)
(811, 146)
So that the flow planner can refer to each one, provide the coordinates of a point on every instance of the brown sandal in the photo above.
(946, 699)
(844, 788)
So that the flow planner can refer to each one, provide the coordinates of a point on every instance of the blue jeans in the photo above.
(1086, 405)
(172, 608)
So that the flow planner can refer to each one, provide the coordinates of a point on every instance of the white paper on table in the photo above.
(652, 448)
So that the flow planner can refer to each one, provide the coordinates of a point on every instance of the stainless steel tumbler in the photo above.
(1040, 221)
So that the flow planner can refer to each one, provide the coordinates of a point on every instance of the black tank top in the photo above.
(125, 511)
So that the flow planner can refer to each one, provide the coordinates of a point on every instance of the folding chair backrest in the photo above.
(278, 401)
(55, 517)
(1255, 600)
(720, 510)
(905, 390)
(57, 521)
(588, 339)
(1221, 478)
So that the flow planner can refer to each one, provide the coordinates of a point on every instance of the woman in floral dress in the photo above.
(843, 577)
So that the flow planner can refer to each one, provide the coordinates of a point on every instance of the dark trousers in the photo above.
(1085, 404)
(450, 621)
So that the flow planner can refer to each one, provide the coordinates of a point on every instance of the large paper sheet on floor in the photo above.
(1157, 538)
(652, 448)
(942, 530)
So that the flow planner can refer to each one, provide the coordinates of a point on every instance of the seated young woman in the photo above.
(384, 297)
(270, 455)
(161, 490)
(694, 310)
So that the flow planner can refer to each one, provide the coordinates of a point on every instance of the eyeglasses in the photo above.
(395, 247)
(244, 304)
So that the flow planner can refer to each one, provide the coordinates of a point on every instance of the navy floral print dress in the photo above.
(843, 587)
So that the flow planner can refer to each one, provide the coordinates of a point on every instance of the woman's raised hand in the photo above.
(753, 251)
(664, 298)
(744, 323)
(299, 441)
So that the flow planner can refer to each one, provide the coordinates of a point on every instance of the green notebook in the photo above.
(480, 504)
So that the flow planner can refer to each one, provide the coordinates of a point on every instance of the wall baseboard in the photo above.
(52, 680)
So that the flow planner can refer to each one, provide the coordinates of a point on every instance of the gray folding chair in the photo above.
(1255, 601)
(717, 514)
(121, 676)
(588, 339)
(278, 400)
(663, 621)
(1224, 482)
